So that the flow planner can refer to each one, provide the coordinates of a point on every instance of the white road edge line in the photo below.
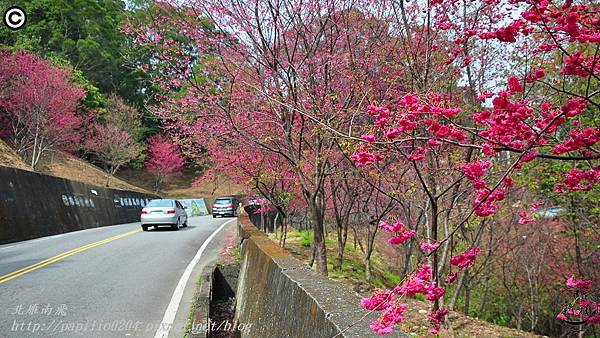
(169, 317)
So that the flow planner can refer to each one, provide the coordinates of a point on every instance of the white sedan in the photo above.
(167, 212)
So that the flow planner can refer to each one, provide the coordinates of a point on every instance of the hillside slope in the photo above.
(66, 166)
(70, 167)
(10, 158)
(181, 186)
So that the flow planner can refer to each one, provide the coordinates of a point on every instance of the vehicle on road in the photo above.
(226, 206)
(164, 212)
(552, 212)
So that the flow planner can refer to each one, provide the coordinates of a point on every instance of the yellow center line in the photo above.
(50, 259)
(61, 256)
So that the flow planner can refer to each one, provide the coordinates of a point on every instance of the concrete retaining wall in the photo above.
(34, 205)
(280, 297)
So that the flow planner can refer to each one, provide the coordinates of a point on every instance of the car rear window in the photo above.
(223, 201)
(160, 204)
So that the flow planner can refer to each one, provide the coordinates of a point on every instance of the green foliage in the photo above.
(94, 98)
(87, 34)
(138, 162)
(146, 131)
(190, 317)
(501, 319)
(307, 238)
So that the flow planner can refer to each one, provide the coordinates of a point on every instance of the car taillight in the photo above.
(170, 211)
(144, 212)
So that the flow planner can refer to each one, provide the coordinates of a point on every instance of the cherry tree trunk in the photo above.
(342, 237)
(320, 250)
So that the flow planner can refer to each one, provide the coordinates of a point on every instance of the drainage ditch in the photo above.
(214, 308)
(222, 303)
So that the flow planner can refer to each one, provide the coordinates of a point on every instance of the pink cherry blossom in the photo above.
(514, 85)
(429, 246)
(368, 137)
(581, 285)
(434, 292)
(436, 320)
(465, 259)
(390, 317)
(476, 169)
(451, 277)
(379, 300)
(363, 158)
(402, 237)
(424, 272)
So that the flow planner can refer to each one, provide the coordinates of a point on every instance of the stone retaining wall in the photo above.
(281, 297)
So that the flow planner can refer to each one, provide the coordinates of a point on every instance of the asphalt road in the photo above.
(112, 281)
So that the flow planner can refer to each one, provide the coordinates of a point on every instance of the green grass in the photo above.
(352, 270)
(190, 317)
(377, 282)
(393, 278)
(236, 252)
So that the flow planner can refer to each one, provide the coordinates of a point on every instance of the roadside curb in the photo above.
(202, 297)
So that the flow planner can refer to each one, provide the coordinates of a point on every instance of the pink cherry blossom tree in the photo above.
(38, 105)
(448, 139)
(164, 159)
(278, 103)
